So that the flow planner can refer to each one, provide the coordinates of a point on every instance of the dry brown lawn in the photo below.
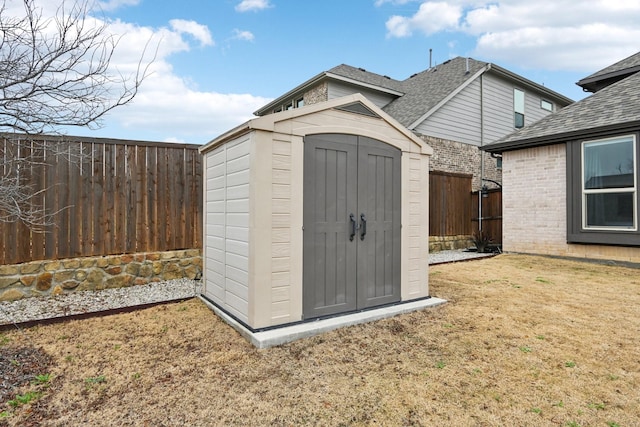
(523, 341)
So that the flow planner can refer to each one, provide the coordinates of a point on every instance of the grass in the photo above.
(23, 399)
(558, 351)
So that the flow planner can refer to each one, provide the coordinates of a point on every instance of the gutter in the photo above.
(561, 138)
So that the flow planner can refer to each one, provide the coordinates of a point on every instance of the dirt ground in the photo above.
(523, 341)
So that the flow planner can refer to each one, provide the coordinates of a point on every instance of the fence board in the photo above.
(491, 214)
(449, 204)
(97, 201)
(118, 197)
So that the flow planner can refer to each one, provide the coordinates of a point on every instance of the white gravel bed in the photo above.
(454, 255)
(82, 302)
(41, 308)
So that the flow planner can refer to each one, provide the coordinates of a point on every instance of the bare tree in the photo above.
(54, 72)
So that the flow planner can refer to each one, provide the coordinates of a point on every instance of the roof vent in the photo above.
(358, 108)
(387, 77)
(362, 69)
(413, 75)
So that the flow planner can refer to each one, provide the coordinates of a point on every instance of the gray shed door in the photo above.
(351, 257)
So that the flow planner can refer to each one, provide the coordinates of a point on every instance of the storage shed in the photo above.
(315, 212)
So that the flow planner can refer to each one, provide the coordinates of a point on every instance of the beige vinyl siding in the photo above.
(254, 209)
(338, 89)
(281, 245)
(457, 120)
(227, 226)
(415, 215)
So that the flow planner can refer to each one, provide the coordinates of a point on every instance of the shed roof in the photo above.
(615, 108)
(345, 103)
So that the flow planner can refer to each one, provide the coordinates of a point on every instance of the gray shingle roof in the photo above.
(418, 94)
(425, 90)
(630, 62)
(422, 91)
(616, 105)
(364, 76)
(611, 74)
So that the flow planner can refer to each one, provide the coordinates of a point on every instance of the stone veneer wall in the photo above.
(447, 243)
(319, 93)
(457, 157)
(55, 277)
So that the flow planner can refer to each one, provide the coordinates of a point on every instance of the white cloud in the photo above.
(243, 35)
(252, 5)
(197, 31)
(431, 18)
(550, 34)
(168, 104)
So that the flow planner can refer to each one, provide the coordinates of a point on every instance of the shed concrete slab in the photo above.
(285, 334)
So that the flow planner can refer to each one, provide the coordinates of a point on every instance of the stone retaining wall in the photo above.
(446, 243)
(55, 277)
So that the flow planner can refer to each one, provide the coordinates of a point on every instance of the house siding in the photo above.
(498, 103)
(226, 247)
(461, 119)
(338, 89)
(535, 207)
(457, 120)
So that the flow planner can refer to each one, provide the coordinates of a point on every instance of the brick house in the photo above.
(455, 107)
(571, 180)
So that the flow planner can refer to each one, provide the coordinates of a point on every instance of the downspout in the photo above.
(481, 152)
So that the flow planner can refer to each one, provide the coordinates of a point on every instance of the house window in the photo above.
(518, 108)
(546, 105)
(299, 103)
(602, 191)
(609, 184)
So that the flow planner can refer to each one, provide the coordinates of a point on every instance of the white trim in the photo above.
(633, 190)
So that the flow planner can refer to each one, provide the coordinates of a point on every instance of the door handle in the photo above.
(363, 227)
(352, 233)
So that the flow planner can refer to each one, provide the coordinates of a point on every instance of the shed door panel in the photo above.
(348, 175)
(329, 259)
(379, 201)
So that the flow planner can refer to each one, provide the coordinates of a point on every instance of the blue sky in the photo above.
(220, 60)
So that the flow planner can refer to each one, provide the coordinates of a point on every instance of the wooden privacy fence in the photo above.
(450, 207)
(453, 207)
(491, 213)
(108, 196)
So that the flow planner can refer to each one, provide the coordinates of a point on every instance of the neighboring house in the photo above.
(570, 181)
(455, 107)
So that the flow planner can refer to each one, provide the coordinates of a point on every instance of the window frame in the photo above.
(551, 106)
(517, 111)
(614, 190)
(577, 231)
